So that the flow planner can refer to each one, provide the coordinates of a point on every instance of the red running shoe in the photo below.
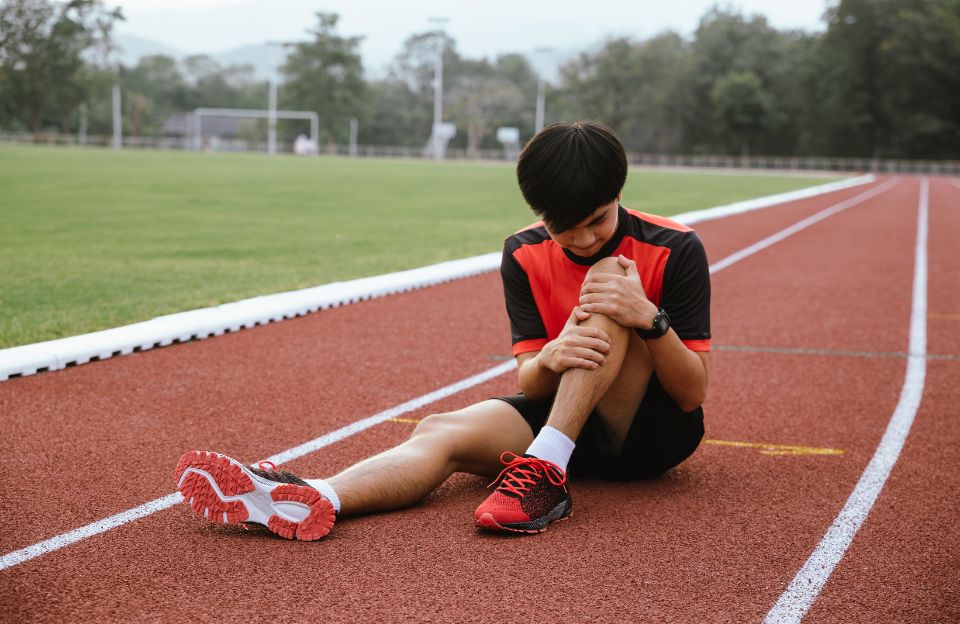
(532, 494)
(223, 490)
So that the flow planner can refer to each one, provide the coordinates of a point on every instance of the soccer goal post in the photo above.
(250, 113)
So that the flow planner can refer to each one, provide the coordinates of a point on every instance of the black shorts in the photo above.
(660, 437)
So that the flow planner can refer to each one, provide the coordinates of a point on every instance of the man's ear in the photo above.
(620, 196)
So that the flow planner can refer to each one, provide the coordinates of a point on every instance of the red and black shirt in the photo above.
(542, 280)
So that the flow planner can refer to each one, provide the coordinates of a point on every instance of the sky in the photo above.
(481, 28)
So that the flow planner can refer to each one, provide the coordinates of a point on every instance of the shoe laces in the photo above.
(523, 472)
(268, 470)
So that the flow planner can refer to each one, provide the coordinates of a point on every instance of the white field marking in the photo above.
(800, 225)
(65, 539)
(806, 585)
(214, 321)
(60, 541)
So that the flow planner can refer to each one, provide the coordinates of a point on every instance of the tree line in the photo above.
(881, 80)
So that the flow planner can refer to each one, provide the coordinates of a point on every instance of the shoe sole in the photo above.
(562, 511)
(222, 490)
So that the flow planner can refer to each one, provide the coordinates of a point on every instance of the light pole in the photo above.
(272, 105)
(541, 93)
(272, 119)
(438, 87)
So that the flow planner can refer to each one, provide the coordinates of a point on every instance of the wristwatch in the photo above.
(661, 323)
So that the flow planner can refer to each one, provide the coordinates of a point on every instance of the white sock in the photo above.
(552, 445)
(326, 491)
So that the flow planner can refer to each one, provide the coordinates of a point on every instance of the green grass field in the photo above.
(91, 239)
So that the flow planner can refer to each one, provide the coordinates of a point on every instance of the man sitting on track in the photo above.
(610, 315)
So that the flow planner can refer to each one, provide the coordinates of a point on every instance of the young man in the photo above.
(610, 315)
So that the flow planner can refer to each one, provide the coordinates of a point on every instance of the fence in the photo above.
(785, 163)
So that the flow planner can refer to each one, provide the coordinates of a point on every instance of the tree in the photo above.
(922, 86)
(41, 56)
(742, 109)
(726, 45)
(153, 90)
(326, 76)
(635, 88)
(478, 95)
(603, 85)
(413, 67)
(396, 115)
(481, 101)
(889, 74)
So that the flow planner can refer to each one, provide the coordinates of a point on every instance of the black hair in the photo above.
(568, 170)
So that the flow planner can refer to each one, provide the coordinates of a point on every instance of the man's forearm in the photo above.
(681, 372)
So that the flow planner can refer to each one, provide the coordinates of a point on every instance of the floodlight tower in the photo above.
(541, 92)
(438, 87)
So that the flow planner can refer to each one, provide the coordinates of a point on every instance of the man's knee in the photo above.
(607, 265)
(612, 266)
(436, 425)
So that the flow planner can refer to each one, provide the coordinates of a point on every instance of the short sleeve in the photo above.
(686, 292)
(526, 326)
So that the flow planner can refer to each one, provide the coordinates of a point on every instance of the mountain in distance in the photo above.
(264, 58)
(131, 48)
(267, 58)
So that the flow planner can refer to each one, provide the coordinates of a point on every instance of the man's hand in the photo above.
(620, 297)
(576, 346)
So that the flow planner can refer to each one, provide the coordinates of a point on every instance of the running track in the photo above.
(810, 338)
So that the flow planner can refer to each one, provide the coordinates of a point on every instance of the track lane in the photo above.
(725, 236)
(258, 391)
(109, 433)
(675, 549)
(914, 523)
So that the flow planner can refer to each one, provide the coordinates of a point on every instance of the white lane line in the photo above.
(60, 541)
(806, 585)
(800, 225)
(65, 539)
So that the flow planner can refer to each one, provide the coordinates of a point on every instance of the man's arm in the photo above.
(682, 372)
(576, 347)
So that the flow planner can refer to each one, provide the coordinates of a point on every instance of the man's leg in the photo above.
(533, 493)
(223, 490)
(615, 389)
(469, 440)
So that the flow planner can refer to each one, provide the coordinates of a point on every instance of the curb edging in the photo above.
(203, 323)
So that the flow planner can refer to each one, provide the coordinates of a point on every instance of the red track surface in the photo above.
(717, 539)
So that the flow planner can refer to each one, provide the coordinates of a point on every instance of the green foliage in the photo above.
(326, 75)
(890, 79)
(397, 115)
(41, 57)
(883, 80)
(741, 95)
(95, 238)
(479, 96)
(742, 109)
(636, 88)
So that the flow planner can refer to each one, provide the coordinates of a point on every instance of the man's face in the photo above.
(587, 237)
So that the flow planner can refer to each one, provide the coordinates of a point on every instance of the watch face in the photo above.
(662, 323)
